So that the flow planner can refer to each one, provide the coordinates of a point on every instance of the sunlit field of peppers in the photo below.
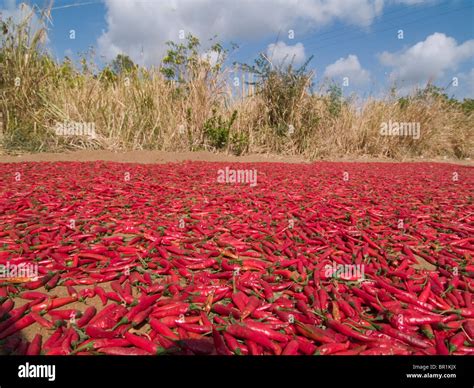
(163, 259)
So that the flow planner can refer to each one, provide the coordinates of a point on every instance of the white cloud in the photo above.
(428, 60)
(348, 67)
(133, 23)
(283, 54)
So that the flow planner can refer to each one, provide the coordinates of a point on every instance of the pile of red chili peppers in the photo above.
(162, 259)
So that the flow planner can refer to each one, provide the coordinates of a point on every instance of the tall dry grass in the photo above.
(142, 109)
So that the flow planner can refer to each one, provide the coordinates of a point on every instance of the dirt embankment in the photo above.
(167, 157)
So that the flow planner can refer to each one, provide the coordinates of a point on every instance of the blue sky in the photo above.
(352, 40)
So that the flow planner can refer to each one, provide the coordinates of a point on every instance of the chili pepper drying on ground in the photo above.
(233, 345)
(343, 329)
(441, 347)
(291, 348)
(219, 344)
(246, 333)
(162, 329)
(407, 338)
(250, 307)
(121, 351)
(332, 348)
(34, 348)
(20, 324)
(313, 333)
(53, 304)
(281, 268)
(42, 321)
(142, 343)
(197, 346)
(87, 316)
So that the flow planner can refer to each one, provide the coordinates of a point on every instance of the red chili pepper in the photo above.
(85, 293)
(240, 300)
(57, 351)
(65, 314)
(219, 344)
(423, 297)
(253, 348)
(97, 332)
(164, 341)
(87, 316)
(33, 285)
(427, 330)
(141, 317)
(252, 304)
(52, 282)
(323, 299)
(144, 303)
(343, 329)
(291, 349)
(31, 295)
(407, 338)
(93, 256)
(233, 345)
(142, 343)
(441, 347)
(313, 332)
(120, 351)
(21, 324)
(94, 344)
(266, 330)
(53, 304)
(332, 348)
(101, 293)
(172, 311)
(457, 341)
(162, 329)
(42, 321)
(6, 307)
(34, 348)
(305, 347)
(53, 340)
(466, 312)
(246, 333)
(197, 346)
(193, 328)
(108, 317)
(14, 316)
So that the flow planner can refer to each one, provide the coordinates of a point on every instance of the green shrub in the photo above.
(217, 129)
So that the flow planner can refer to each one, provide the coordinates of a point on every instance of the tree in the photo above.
(183, 61)
(122, 64)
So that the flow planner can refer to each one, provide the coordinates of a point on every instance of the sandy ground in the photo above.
(145, 157)
(60, 291)
(167, 157)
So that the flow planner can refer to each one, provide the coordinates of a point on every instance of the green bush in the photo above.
(217, 129)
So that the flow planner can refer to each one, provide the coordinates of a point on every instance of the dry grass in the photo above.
(143, 110)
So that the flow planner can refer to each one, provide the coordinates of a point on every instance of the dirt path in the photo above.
(166, 157)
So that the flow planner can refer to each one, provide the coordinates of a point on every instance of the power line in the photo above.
(420, 21)
(384, 20)
(364, 29)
